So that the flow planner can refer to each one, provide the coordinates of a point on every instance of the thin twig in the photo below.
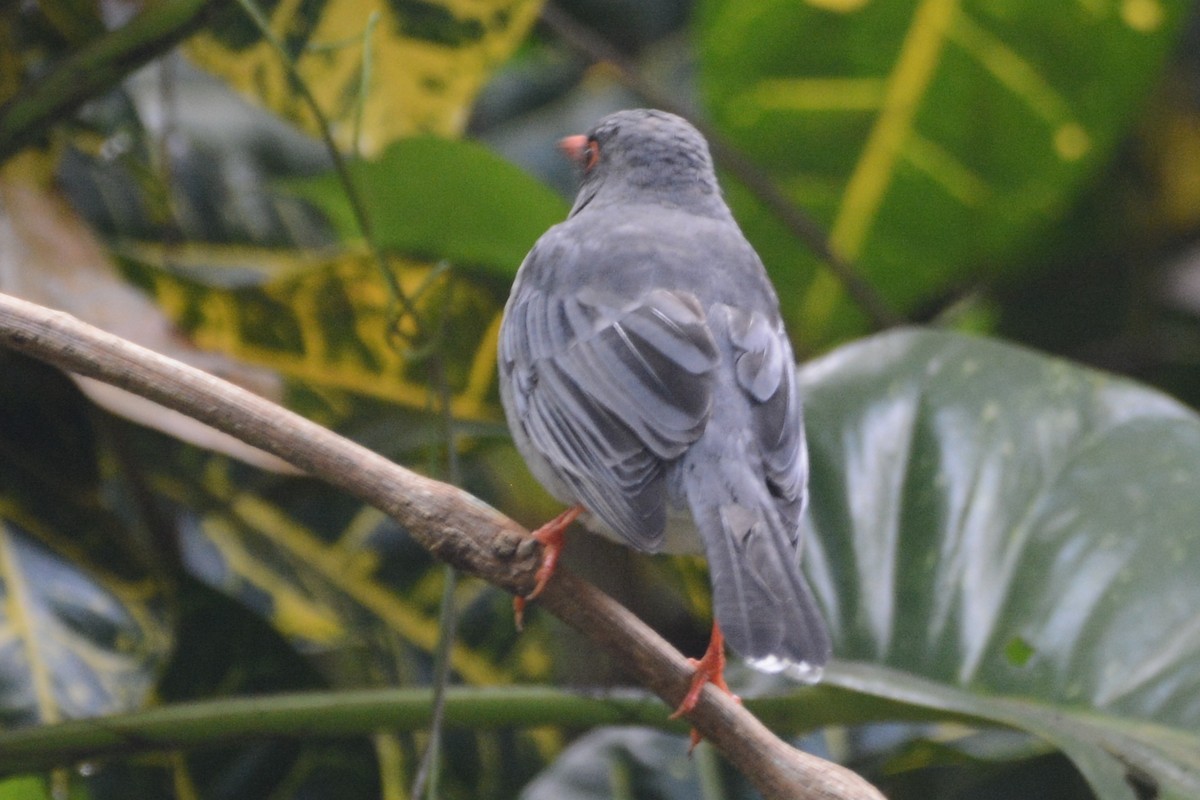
(454, 526)
(800, 224)
(358, 207)
(428, 778)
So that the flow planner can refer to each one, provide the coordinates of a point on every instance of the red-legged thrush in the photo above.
(650, 385)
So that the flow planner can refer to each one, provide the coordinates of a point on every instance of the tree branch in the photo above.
(456, 527)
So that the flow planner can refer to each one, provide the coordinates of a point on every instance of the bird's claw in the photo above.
(710, 668)
(551, 537)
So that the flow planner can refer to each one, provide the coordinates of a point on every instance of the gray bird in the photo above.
(649, 384)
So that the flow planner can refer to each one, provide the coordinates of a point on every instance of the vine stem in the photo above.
(359, 712)
(426, 781)
(358, 208)
(455, 527)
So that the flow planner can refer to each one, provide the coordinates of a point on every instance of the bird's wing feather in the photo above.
(765, 371)
(746, 493)
(760, 597)
(609, 389)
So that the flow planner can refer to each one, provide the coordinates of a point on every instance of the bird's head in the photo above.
(644, 156)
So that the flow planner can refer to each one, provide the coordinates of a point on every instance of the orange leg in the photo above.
(550, 536)
(710, 668)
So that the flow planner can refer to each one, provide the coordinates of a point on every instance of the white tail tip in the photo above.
(801, 671)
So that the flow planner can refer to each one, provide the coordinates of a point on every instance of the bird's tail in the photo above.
(760, 597)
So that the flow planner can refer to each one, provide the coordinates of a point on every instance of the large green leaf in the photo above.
(928, 137)
(440, 199)
(1019, 536)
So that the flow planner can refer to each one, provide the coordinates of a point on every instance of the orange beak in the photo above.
(574, 147)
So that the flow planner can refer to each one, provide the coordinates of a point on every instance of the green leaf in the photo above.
(25, 787)
(438, 199)
(1013, 537)
(929, 138)
(37, 787)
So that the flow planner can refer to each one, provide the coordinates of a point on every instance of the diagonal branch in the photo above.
(454, 526)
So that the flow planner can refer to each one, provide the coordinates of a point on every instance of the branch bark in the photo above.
(456, 527)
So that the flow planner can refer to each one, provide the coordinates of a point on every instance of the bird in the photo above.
(649, 384)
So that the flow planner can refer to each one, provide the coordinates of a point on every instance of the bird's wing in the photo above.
(746, 495)
(608, 390)
(765, 371)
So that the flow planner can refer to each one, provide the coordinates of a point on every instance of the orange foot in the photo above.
(550, 536)
(709, 669)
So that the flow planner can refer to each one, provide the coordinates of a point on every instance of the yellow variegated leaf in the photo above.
(324, 320)
(290, 610)
(77, 642)
(326, 580)
(378, 70)
(84, 618)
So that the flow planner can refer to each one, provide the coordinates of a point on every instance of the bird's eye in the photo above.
(591, 156)
(583, 151)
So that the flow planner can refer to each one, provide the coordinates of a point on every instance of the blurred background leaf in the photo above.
(929, 139)
(87, 623)
(77, 643)
(444, 199)
(381, 70)
(323, 321)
